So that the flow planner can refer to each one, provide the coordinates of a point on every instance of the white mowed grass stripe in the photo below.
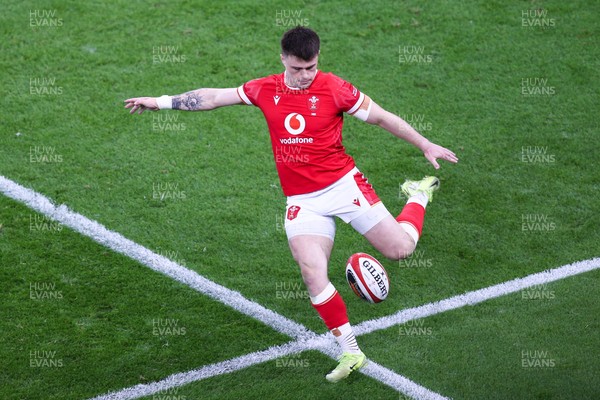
(120, 244)
(477, 296)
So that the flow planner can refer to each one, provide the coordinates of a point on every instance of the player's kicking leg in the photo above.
(396, 238)
(312, 252)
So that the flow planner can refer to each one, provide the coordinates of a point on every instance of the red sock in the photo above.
(333, 311)
(413, 214)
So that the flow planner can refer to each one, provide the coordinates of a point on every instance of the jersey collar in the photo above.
(295, 88)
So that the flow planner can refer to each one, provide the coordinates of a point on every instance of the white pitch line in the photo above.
(393, 379)
(207, 371)
(306, 340)
(120, 244)
(477, 296)
(325, 344)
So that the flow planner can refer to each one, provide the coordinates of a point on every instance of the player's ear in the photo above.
(282, 59)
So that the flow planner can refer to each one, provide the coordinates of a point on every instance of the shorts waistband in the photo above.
(350, 173)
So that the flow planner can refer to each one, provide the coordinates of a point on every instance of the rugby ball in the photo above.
(367, 278)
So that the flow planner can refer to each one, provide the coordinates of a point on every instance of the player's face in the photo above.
(299, 73)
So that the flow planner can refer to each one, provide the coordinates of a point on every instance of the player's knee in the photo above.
(306, 269)
(398, 250)
(313, 276)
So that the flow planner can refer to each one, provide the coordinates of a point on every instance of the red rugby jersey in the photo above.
(306, 128)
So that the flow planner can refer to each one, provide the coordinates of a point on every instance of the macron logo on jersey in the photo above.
(276, 99)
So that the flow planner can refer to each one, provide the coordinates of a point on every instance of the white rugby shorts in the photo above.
(351, 198)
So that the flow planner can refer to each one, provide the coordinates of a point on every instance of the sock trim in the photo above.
(411, 230)
(346, 338)
(326, 295)
(419, 198)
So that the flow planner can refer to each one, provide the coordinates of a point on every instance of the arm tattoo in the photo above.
(190, 101)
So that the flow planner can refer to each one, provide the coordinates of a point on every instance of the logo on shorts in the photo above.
(293, 212)
(294, 123)
(356, 202)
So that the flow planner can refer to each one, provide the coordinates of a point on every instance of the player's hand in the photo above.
(433, 152)
(141, 104)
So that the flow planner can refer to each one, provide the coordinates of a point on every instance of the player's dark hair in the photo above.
(301, 42)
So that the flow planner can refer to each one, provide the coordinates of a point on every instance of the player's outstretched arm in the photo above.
(402, 129)
(196, 100)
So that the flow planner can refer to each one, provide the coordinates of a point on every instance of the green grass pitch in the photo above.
(511, 87)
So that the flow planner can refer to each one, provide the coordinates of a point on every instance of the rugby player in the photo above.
(303, 108)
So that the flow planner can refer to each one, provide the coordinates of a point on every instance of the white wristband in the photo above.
(164, 102)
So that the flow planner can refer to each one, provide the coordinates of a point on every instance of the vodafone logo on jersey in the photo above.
(294, 123)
